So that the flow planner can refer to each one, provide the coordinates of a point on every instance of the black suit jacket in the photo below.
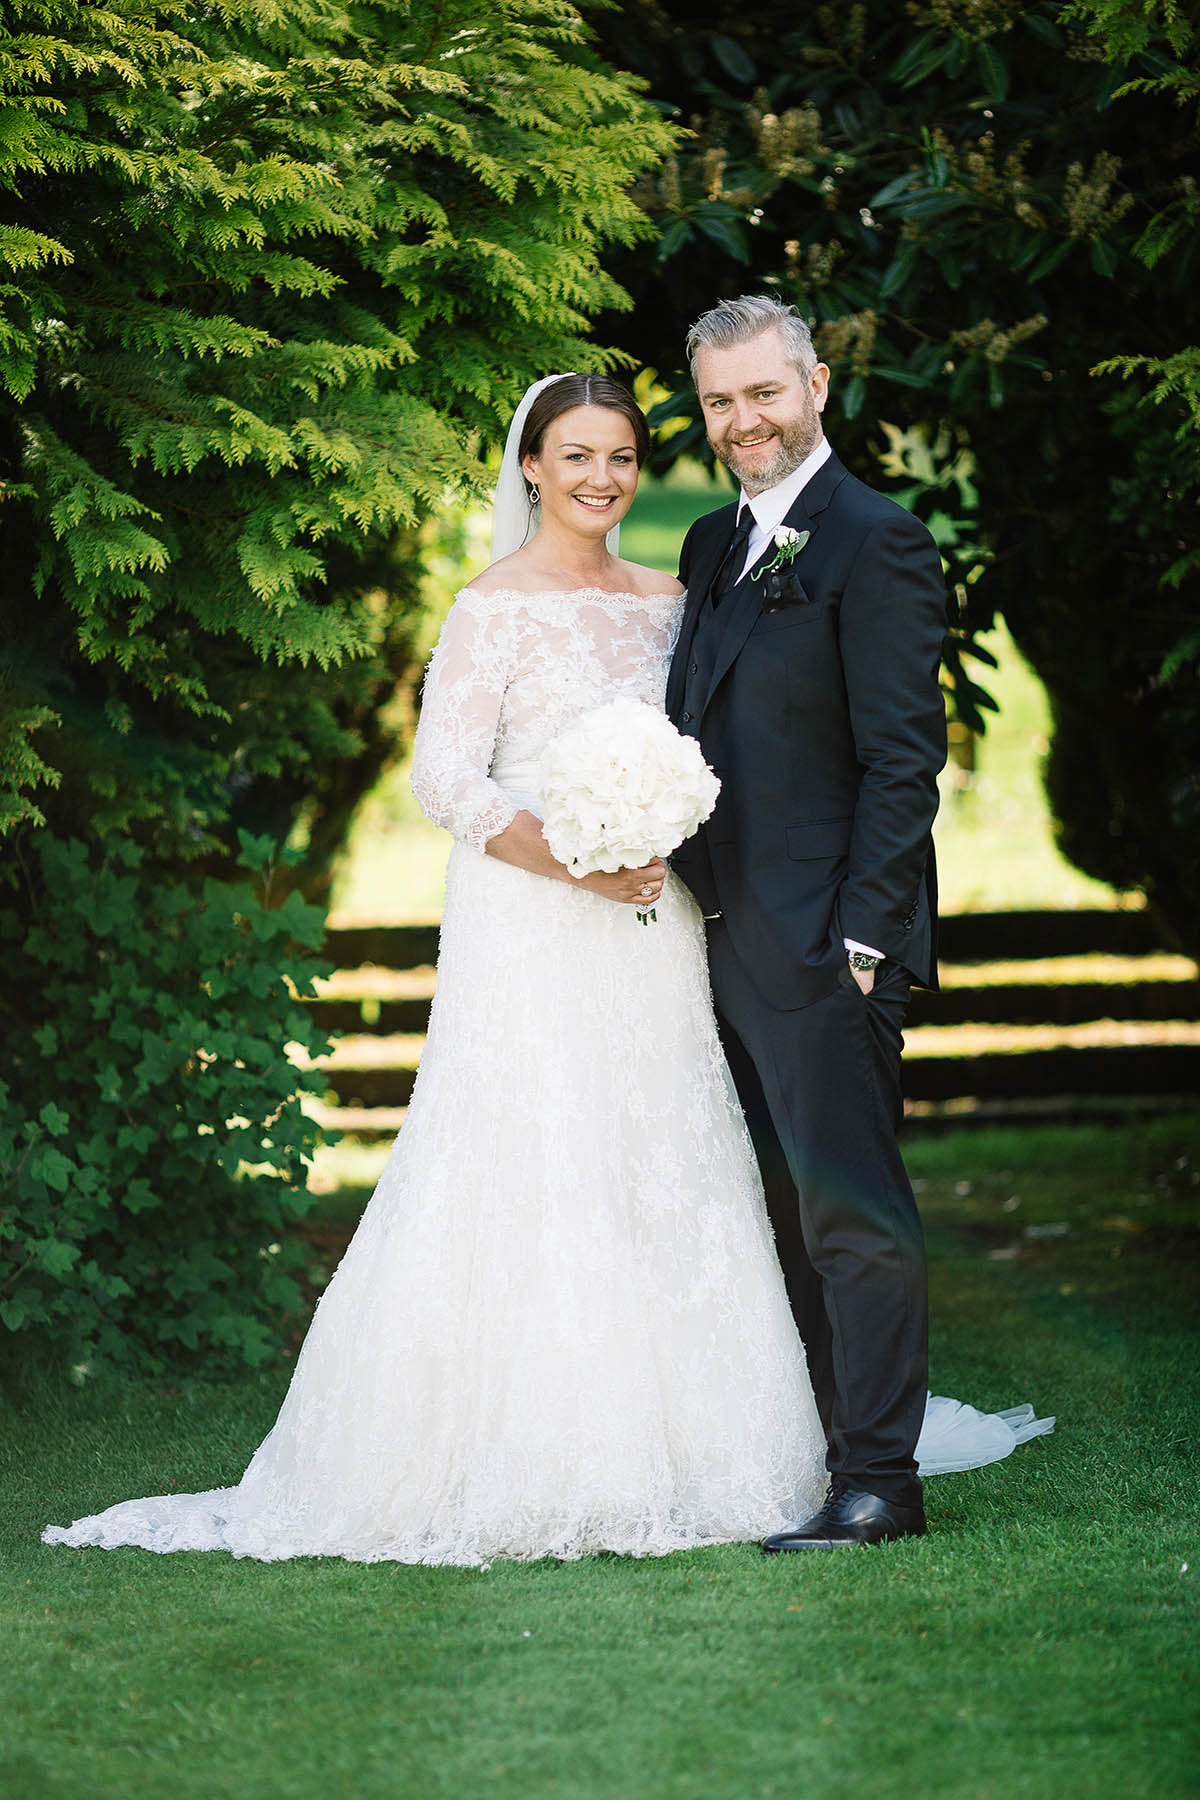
(825, 722)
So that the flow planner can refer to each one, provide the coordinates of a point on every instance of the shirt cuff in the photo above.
(853, 944)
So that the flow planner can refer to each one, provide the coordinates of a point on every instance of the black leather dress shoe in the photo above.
(851, 1516)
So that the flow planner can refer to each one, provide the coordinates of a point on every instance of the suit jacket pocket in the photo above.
(786, 616)
(818, 837)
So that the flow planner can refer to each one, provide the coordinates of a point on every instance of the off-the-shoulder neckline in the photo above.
(581, 593)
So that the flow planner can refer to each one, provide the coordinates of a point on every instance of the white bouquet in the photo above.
(622, 785)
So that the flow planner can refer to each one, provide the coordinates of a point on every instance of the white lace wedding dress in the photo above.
(560, 1326)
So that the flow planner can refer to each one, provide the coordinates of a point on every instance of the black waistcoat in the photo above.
(706, 642)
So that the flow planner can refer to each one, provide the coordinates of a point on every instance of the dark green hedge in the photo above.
(152, 1142)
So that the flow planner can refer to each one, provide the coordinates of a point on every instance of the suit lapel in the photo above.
(741, 608)
(705, 565)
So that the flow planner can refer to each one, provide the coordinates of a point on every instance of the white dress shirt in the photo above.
(770, 509)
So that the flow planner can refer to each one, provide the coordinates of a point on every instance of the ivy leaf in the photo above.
(54, 1118)
(256, 851)
(138, 1197)
(109, 1083)
(55, 1169)
(57, 1258)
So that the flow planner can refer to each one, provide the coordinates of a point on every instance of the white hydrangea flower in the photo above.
(622, 785)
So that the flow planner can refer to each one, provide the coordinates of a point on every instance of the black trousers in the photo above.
(820, 1087)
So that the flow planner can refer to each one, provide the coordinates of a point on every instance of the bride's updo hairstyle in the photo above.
(571, 391)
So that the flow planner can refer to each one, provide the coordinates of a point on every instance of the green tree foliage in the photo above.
(152, 1144)
(1128, 36)
(273, 271)
(272, 275)
(964, 195)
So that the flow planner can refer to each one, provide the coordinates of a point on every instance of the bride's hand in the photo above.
(629, 886)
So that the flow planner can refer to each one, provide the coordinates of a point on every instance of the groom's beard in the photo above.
(793, 443)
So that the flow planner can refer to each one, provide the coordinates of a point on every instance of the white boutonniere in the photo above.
(788, 545)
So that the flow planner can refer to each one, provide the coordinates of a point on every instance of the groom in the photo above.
(807, 668)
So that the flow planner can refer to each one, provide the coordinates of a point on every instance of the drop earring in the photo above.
(535, 497)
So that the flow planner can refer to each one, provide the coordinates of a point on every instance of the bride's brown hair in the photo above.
(583, 390)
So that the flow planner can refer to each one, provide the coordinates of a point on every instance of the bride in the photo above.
(560, 1327)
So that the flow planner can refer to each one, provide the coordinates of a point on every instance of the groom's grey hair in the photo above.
(738, 321)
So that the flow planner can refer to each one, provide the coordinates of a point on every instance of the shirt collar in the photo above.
(772, 506)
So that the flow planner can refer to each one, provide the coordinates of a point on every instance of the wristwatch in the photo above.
(865, 964)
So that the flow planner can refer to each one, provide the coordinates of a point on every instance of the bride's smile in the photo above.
(586, 472)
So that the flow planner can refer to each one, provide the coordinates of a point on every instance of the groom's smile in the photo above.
(762, 414)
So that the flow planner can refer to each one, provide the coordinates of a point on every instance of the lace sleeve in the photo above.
(456, 736)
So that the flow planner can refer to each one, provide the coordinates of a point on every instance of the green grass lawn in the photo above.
(994, 835)
(1039, 1643)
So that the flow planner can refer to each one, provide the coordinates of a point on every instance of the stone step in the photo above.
(374, 1124)
(1110, 1069)
(388, 946)
(1004, 936)
(1065, 1003)
(381, 1017)
(1148, 1069)
(1002, 970)
(963, 937)
(993, 1003)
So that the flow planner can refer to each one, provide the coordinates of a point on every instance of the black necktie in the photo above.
(730, 569)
